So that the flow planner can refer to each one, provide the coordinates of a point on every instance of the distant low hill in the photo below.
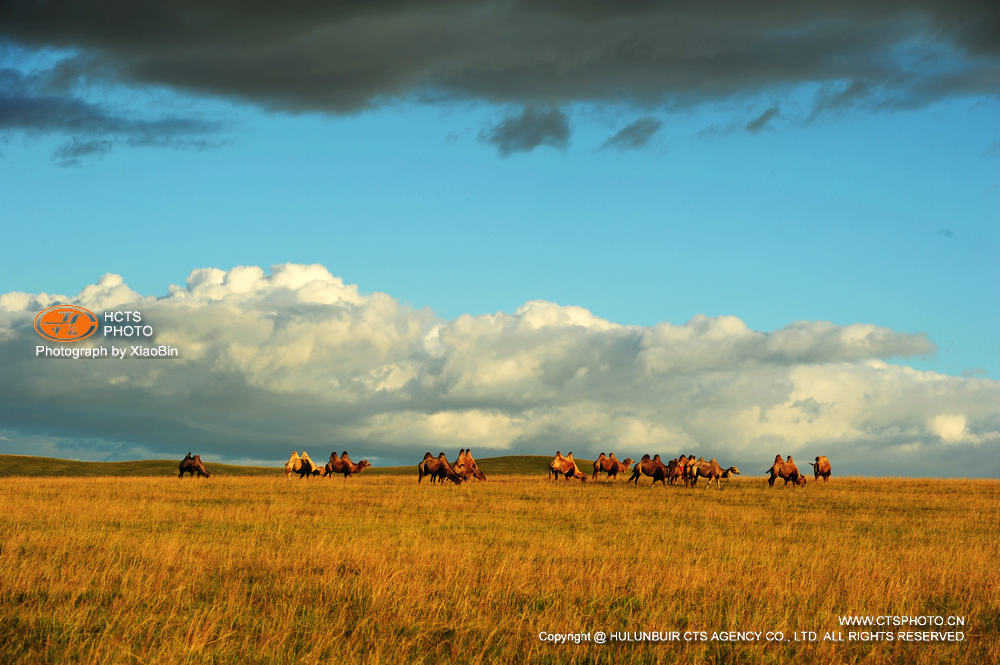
(25, 465)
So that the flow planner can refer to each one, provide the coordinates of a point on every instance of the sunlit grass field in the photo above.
(379, 569)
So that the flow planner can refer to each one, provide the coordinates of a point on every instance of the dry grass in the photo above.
(381, 570)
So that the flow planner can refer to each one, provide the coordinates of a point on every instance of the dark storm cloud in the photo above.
(760, 122)
(28, 102)
(528, 130)
(635, 135)
(343, 57)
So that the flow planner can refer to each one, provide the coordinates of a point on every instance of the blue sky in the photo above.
(838, 163)
(871, 216)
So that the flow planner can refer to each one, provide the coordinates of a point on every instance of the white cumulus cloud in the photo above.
(296, 359)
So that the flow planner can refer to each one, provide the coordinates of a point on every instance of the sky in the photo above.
(729, 228)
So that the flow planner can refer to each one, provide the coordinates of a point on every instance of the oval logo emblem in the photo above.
(65, 323)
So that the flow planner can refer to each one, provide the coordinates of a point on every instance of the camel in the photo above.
(438, 468)
(712, 471)
(676, 468)
(691, 470)
(344, 465)
(731, 471)
(821, 467)
(307, 466)
(653, 468)
(611, 466)
(293, 464)
(565, 466)
(468, 466)
(786, 470)
(192, 464)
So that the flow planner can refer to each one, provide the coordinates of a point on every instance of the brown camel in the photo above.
(611, 466)
(786, 470)
(437, 467)
(653, 468)
(821, 467)
(465, 465)
(344, 465)
(565, 466)
(193, 465)
(713, 471)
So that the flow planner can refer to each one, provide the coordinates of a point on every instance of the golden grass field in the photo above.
(379, 569)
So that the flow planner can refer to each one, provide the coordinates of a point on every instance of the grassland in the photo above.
(28, 465)
(379, 569)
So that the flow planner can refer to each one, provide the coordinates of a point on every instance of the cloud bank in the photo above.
(296, 358)
(349, 57)
(345, 57)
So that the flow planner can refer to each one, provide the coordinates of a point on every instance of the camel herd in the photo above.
(684, 469)
(437, 468)
(305, 467)
(463, 469)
